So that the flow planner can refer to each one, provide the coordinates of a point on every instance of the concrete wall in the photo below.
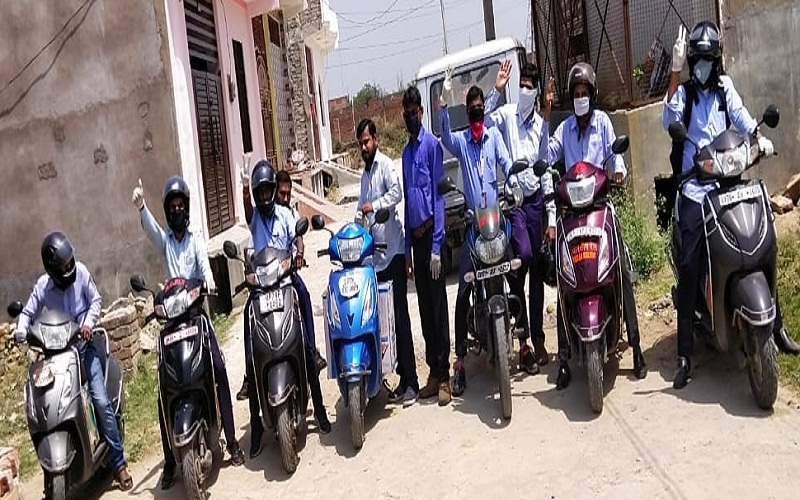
(762, 55)
(89, 116)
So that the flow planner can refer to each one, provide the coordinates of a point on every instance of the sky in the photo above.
(384, 42)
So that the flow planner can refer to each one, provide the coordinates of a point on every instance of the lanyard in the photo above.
(480, 170)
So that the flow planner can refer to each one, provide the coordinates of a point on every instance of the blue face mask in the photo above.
(702, 71)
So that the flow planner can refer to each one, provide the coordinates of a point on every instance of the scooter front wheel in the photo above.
(763, 366)
(594, 373)
(55, 486)
(355, 404)
(287, 438)
(190, 469)
(503, 370)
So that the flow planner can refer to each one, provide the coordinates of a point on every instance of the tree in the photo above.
(368, 93)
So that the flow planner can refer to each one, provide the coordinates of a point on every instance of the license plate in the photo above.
(270, 301)
(173, 337)
(742, 194)
(348, 287)
(44, 377)
(491, 272)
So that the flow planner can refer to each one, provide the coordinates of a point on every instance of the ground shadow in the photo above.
(481, 397)
(340, 436)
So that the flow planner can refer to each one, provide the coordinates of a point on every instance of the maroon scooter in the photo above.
(589, 268)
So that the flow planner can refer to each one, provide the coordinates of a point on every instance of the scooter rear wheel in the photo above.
(594, 373)
(55, 486)
(355, 404)
(287, 438)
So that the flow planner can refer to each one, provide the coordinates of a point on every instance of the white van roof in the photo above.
(475, 53)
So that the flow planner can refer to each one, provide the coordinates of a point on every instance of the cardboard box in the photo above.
(386, 328)
(328, 347)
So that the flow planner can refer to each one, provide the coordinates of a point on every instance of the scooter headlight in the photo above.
(369, 305)
(491, 251)
(604, 258)
(178, 304)
(350, 249)
(55, 337)
(581, 193)
(565, 263)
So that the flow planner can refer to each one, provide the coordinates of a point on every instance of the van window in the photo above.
(483, 76)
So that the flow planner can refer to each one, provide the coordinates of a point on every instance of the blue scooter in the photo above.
(352, 317)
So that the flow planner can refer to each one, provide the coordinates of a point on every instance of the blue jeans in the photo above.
(104, 413)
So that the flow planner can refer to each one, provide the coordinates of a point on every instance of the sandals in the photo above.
(124, 479)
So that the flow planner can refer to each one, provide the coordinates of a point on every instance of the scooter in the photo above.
(278, 344)
(589, 277)
(61, 416)
(352, 317)
(489, 318)
(187, 387)
(736, 303)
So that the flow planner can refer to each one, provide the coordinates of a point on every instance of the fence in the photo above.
(628, 42)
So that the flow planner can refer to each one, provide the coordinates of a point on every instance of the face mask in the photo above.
(702, 70)
(475, 115)
(477, 129)
(178, 220)
(581, 106)
(527, 102)
(413, 125)
(266, 209)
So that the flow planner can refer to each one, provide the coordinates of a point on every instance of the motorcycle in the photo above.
(278, 344)
(187, 387)
(352, 317)
(60, 414)
(736, 302)
(489, 315)
(589, 277)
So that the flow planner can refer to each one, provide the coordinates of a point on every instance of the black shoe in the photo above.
(255, 441)
(459, 378)
(564, 376)
(243, 393)
(682, 373)
(320, 362)
(639, 364)
(237, 455)
(323, 422)
(785, 343)
(168, 476)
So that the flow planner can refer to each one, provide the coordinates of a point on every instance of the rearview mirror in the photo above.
(137, 283)
(677, 132)
(230, 249)
(621, 144)
(301, 227)
(14, 309)
(381, 216)
(317, 222)
(445, 186)
(519, 166)
(771, 116)
(540, 168)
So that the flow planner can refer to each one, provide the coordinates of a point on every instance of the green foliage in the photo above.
(368, 93)
(647, 246)
(789, 293)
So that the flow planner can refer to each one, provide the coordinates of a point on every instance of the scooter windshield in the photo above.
(489, 221)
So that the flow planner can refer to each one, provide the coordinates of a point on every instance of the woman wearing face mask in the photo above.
(587, 135)
(707, 104)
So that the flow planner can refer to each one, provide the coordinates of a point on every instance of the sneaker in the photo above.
(320, 362)
(564, 376)
(639, 364)
(540, 352)
(682, 373)
(323, 422)
(431, 389)
(243, 393)
(527, 361)
(237, 455)
(444, 393)
(168, 476)
(459, 380)
(409, 397)
(396, 396)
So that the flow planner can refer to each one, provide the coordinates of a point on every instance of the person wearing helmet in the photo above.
(185, 255)
(272, 225)
(587, 136)
(707, 104)
(521, 127)
(68, 284)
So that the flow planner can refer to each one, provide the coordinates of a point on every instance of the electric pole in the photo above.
(444, 30)
(488, 19)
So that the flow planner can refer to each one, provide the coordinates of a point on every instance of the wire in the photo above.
(381, 25)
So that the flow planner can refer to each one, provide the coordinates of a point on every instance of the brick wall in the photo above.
(388, 109)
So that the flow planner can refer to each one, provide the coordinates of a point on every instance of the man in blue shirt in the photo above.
(272, 225)
(707, 104)
(424, 240)
(587, 135)
(480, 151)
(185, 255)
(67, 286)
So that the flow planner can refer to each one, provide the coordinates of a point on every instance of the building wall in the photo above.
(91, 114)
(325, 146)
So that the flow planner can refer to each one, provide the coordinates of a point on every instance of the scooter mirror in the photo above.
(230, 249)
(301, 227)
(771, 116)
(519, 166)
(381, 216)
(621, 145)
(445, 186)
(14, 309)
(540, 168)
(677, 132)
(317, 222)
(137, 283)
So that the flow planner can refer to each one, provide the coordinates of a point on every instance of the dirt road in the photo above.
(651, 442)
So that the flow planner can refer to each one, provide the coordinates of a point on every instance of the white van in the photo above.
(473, 66)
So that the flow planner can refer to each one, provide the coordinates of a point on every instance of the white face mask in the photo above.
(527, 102)
(702, 70)
(581, 106)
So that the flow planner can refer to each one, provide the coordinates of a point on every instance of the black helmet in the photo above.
(174, 187)
(263, 177)
(546, 263)
(705, 44)
(58, 257)
(583, 73)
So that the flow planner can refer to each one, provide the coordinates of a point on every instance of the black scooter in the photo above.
(187, 387)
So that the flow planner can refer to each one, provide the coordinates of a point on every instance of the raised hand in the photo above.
(679, 50)
(503, 75)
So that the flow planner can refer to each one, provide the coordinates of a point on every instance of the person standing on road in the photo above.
(424, 240)
(521, 128)
(479, 151)
(380, 188)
